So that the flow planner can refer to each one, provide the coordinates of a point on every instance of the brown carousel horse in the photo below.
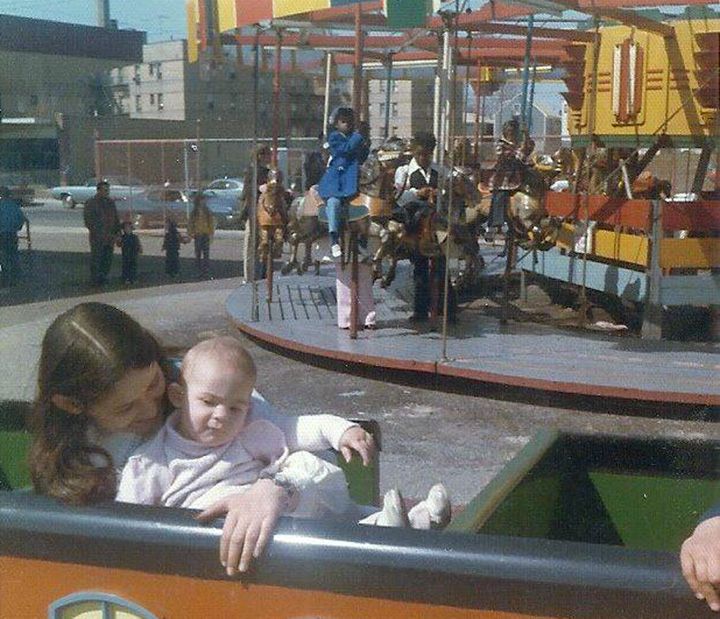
(401, 234)
(303, 229)
(271, 219)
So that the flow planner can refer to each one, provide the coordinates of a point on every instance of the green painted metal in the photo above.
(479, 510)
(654, 512)
(14, 447)
(363, 481)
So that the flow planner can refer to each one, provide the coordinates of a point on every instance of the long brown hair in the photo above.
(85, 352)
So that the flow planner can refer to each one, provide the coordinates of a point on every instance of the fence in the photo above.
(188, 163)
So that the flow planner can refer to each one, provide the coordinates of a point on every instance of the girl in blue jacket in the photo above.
(340, 181)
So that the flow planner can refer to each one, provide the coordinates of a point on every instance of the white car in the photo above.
(224, 188)
(120, 189)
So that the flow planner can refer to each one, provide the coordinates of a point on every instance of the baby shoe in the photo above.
(393, 513)
(336, 251)
(433, 512)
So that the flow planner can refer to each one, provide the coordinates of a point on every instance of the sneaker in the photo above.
(393, 513)
(336, 251)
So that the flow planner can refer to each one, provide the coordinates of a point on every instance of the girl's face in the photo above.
(344, 125)
(134, 404)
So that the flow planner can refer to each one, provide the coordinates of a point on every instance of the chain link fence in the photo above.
(191, 164)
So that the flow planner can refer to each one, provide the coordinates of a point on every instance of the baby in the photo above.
(211, 446)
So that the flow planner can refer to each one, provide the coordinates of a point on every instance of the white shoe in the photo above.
(336, 251)
(432, 513)
(393, 513)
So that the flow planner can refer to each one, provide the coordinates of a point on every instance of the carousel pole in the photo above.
(510, 243)
(479, 102)
(437, 108)
(357, 104)
(275, 138)
(466, 87)
(388, 86)
(592, 113)
(251, 226)
(452, 79)
(328, 79)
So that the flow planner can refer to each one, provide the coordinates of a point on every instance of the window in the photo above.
(394, 108)
(91, 604)
(161, 105)
(151, 69)
(382, 86)
(138, 103)
(381, 109)
(394, 86)
(33, 100)
(158, 71)
(152, 98)
(136, 74)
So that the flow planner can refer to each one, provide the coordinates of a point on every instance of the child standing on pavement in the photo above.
(348, 149)
(171, 247)
(201, 228)
(131, 249)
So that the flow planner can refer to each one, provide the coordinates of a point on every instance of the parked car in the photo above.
(225, 187)
(120, 188)
(151, 208)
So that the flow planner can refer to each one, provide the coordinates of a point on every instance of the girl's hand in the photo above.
(700, 560)
(250, 521)
(357, 439)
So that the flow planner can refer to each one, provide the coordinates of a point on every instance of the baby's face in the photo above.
(215, 402)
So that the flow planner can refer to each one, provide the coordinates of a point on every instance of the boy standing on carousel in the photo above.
(417, 187)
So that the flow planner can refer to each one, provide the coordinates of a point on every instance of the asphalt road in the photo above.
(427, 435)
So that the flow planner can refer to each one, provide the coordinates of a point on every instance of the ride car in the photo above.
(575, 526)
(72, 195)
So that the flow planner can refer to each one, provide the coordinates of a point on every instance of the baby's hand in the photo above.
(357, 439)
(700, 560)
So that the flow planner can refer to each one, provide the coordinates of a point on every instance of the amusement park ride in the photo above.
(573, 526)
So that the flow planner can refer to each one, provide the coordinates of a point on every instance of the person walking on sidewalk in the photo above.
(101, 220)
(201, 228)
(12, 220)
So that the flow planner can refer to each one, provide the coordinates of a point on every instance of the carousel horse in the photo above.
(271, 219)
(303, 229)
(421, 229)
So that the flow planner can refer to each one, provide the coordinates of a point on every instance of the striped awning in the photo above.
(237, 13)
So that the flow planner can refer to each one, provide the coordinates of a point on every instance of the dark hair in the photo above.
(102, 184)
(343, 113)
(424, 139)
(85, 352)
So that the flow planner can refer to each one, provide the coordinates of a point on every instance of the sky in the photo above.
(161, 19)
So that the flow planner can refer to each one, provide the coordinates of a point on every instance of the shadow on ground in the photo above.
(47, 275)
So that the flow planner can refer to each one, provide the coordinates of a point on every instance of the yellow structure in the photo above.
(647, 84)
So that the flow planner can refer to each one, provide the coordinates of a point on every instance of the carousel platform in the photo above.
(532, 362)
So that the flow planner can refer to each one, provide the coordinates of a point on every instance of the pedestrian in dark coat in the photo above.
(101, 220)
(11, 222)
(131, 249)
(171, 247)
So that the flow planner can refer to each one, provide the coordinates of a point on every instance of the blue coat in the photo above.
(11, 217)
(341, 176)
